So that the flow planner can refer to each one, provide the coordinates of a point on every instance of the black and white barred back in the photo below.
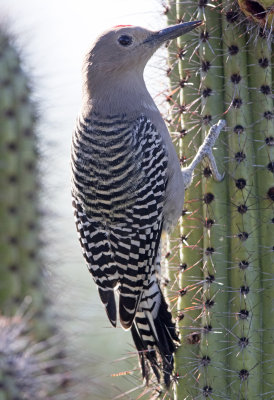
(119, 182)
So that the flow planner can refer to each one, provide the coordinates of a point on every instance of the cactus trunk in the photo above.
(223, 246)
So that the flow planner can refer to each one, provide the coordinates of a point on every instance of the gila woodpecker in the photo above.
(128, 188)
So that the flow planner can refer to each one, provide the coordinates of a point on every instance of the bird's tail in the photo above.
(154, 334)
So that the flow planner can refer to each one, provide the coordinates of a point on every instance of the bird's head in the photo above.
(115, 63)
(126, 47)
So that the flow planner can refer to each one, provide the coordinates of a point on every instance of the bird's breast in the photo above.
(106, 163)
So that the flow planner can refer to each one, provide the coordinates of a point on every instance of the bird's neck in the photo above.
(116, 94)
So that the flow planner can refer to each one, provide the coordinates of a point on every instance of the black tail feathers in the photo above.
(108, 299)
(156, 340)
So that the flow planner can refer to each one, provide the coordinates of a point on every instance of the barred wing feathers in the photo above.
(119, 181)
(119, 184)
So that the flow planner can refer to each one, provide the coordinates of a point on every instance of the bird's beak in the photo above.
(172, 32)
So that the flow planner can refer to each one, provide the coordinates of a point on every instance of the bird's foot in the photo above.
(205, 150)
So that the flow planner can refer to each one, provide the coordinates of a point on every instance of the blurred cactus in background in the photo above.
(21, 269)
(221, 256)
(27, 368)
(31, 362)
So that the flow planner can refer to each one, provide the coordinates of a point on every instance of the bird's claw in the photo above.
(205, 150)
(214, 169)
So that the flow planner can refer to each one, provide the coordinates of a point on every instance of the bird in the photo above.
(128, 189)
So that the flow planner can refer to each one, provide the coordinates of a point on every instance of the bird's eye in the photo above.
(125, 40)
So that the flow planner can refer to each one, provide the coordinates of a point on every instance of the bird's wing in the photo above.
(121, 251)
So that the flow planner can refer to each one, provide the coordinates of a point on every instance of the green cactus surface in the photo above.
(221, 255)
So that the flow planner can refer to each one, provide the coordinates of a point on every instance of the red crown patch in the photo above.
(121, 26)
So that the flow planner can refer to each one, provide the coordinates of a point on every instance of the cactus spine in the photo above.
(223, 246)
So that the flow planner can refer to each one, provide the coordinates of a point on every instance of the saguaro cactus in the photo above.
(20, 265)
(222, 256)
